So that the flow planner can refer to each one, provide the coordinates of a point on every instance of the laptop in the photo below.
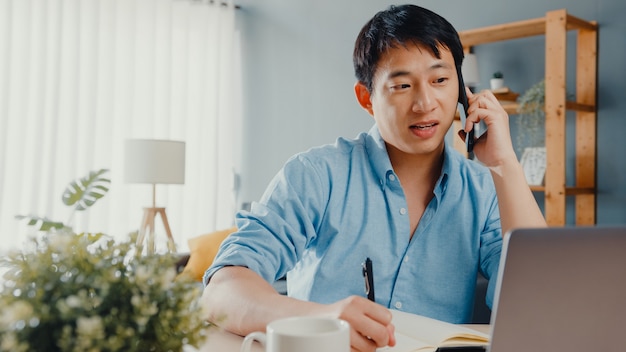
(561, 289)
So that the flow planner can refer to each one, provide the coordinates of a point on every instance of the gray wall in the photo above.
(298, 79)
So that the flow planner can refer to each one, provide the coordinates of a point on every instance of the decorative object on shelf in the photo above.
(154, 162)
(71, 292)
(80, 194)
(532, 116)
(469, 70)
(534, 164)
(497, 81)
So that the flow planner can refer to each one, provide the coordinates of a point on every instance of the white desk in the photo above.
(224, 341)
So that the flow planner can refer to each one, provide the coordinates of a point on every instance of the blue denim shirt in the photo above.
(333, 206)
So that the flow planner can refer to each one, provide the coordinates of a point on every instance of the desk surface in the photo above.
(223, 341)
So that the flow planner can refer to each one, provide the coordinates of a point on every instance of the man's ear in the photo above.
(363, 96)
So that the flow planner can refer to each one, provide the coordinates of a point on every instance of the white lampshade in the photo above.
(154, 161)
(469, 69)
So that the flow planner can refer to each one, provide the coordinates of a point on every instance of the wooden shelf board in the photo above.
(511, 107)
(573, 191)
(500, 32)
(575, 23)
(572, 105)
(569, 191)
(518, 29)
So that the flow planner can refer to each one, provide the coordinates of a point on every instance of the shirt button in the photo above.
(398, 305)
(402, 211)
(406, 259)
(392, 177)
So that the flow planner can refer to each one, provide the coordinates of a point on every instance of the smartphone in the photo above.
(479, 128)
(463, 105)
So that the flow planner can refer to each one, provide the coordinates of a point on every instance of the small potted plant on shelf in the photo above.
(497, 81)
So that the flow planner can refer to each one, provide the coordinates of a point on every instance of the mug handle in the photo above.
(250, 338)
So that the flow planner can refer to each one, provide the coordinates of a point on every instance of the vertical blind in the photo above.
(79, 77)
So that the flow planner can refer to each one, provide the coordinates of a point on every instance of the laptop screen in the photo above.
(561, 289)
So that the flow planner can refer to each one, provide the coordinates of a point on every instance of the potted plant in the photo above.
(531, 119)
(88, 292)
(497, 81)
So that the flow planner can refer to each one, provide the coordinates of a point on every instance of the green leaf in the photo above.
(41, 223)
(84, 192)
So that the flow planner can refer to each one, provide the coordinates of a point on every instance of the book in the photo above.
(418, 333)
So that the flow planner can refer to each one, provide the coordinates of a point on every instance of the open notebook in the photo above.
(561, 289)
(419, 333)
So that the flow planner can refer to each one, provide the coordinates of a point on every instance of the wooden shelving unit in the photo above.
(554, 26)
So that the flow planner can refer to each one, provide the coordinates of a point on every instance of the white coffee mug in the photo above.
(302, 334)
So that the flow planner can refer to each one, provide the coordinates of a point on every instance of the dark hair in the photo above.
(402, 25)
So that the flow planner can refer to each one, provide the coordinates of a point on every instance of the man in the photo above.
(429, 219)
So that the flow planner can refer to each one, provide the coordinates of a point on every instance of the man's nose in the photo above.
(424, 100)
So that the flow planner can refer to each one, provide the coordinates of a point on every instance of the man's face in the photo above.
(414, 98)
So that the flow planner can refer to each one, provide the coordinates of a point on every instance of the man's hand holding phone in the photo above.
(477, 129)
(485, 113)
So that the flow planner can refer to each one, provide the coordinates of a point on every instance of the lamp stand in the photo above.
(147, 224)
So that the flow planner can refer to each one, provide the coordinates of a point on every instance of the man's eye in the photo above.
(401, 86)
(441, 80)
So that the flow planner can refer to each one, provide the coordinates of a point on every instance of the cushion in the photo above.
(202, 251)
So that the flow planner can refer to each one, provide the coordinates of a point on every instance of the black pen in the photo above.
(368, 275)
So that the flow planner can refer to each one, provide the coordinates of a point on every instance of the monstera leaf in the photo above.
(84, 192)
(79, 194)
(41, 223)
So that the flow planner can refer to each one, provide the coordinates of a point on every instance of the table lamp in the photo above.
(154, 161)
(469, 69)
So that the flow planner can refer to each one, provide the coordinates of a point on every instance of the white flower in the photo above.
(19, 311)
(61, 305)
(136, 301)
(8, 343)
(90, 326)
(151, 309)
(60, 241)
(73, 301)
(143, 273)
(167, 278)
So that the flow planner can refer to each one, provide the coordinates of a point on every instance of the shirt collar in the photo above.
(381, 165)
(450, 167)
(377, 154)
